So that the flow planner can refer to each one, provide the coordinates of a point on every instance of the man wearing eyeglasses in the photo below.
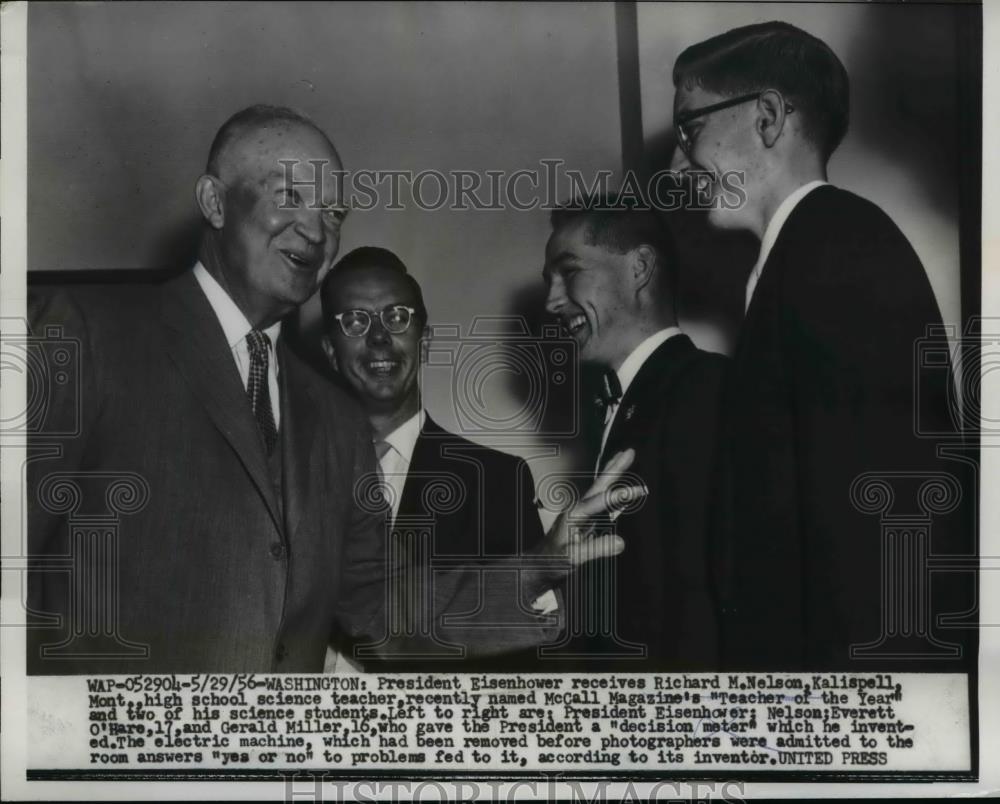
(376, 322)
(822, 384)
(199, 511)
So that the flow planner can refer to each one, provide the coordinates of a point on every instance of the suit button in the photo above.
(277, 549)
(281, 652)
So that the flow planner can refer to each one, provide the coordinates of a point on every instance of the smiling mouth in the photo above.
(575, 325)
(381, 368)
(702, 180)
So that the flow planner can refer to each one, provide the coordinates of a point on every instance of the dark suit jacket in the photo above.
(216, 569)
(822, 390)
(498, 516)
(481, 505)
(669, 416)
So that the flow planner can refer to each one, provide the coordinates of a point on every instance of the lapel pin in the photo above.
(629, 412)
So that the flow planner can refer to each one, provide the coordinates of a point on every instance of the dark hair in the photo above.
(620, 223)
(253, 117)
(362, 259)
(775, 55)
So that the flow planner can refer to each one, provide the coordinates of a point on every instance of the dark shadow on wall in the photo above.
(904, 104)
(178, 244)
(713, 265)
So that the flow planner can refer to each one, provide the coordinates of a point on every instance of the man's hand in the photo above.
(571, 537)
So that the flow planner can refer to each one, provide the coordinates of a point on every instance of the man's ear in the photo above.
(643, 264)
(425, 343)
(329, 351)
(771, 118)
(210, 194)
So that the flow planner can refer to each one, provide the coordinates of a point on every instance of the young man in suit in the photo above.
(610, 269)
(201, 515)
(822, 386)
(375, 325)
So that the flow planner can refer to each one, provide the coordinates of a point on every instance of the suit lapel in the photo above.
(300, 439)
(197, 345)
(768, 286)
(426, 458)
(639, 404)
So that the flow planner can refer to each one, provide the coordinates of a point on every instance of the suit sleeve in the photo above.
(369, 567)
(61, 423)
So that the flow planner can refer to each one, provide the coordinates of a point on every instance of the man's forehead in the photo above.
(566, 241)
(690, 95)
(270, 151)
(362, 287)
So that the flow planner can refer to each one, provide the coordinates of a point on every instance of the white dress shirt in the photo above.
(627, 372)
(773, 230)
(236, 327)
(395, 464)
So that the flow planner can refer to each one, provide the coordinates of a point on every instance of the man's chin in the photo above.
(383, 392)
(728, 220)
(300, 284)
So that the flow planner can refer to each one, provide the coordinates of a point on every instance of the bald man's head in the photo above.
(272, 210)
(246, 123)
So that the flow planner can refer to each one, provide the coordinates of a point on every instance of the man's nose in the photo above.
(378, 335)
(556, 296)
(309, 224)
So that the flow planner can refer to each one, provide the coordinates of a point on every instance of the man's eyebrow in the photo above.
(562, 256)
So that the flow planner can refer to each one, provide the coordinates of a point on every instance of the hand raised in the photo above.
(572, 535)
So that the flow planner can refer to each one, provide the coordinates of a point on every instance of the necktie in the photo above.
(257, 387)
(610, 394)
(382, 449)
(607, 402)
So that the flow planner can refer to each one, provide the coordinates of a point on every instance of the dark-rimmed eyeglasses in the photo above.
(395, 319)
(684, 138)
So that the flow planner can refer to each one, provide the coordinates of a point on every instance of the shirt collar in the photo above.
(627, 371)
(404, 438)
(233, 322)
(778, 220)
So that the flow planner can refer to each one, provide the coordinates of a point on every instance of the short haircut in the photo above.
(775, 55)
(620, 223)
(258, 116)
(363, 259)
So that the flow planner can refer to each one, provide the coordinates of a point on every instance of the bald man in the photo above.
(187, 390)
(208, 513)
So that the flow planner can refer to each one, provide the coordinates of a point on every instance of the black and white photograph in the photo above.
(480, 401)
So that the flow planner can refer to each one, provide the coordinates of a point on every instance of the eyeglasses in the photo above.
(684, 138)
(395, 319)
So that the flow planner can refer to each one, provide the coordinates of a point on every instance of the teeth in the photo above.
(382, 365)
(295, 258)
(576, 322)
